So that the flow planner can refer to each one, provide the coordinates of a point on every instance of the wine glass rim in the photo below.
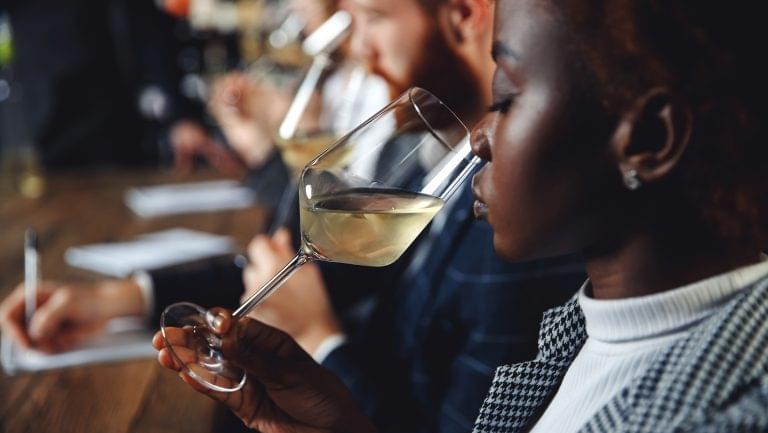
(410, 94)
(411, 97)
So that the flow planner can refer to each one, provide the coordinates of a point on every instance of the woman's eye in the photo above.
(501, 106)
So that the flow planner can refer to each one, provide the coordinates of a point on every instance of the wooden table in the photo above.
(137, 396)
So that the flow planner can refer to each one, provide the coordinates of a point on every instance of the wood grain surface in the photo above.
(137, 396)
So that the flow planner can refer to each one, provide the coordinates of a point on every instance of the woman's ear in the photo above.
(651, 137)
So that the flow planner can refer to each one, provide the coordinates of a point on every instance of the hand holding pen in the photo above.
(54, 316)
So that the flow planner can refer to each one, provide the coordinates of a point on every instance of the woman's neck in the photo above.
(660, 257)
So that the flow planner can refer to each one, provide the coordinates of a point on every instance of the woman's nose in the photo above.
(480, 138)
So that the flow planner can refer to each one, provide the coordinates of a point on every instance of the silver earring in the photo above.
(631, 180)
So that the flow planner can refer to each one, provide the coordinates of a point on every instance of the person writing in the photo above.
(655, 177)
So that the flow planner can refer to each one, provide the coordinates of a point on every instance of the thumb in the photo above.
(50, 316)
(268, 354)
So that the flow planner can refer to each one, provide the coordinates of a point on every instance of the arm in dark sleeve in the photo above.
(502, 313)
(479, 313)
(374, 378)
(214, 283)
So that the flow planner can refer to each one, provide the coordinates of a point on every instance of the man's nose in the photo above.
(360, 47)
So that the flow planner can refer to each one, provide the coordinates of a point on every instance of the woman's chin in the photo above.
(508, 249)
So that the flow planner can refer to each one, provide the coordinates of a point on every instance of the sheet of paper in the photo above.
(188, 198)
(151, 251)
(124, 339)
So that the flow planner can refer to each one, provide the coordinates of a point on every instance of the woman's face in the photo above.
(550, 184)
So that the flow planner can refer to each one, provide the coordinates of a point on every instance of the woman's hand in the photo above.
(286, 391)
(301, 306)
(68, 313)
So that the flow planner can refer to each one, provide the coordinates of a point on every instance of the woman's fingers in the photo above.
(174, 336)
(165, 359)
(183, 357)
(157, 340)
(268, 354)
(178, 340)
(239, 402)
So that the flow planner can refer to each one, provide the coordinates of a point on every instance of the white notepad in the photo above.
(150, 251)
(188, 198)
(124, 339)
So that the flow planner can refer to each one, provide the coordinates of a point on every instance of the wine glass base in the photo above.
(195, 347)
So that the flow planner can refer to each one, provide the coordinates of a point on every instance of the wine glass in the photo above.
(333, 97)
(363, 201)
(321, 111)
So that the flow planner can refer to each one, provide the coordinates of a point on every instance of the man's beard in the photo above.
(439, 70)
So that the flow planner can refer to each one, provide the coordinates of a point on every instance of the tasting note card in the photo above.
(124, 339)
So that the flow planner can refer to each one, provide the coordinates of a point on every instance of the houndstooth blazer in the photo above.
(715, 380)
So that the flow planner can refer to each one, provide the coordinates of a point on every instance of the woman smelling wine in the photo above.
(632, 132)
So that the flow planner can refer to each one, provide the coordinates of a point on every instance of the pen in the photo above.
(281, 218)
(31, 273)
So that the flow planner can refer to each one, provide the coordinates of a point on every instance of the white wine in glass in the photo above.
(365, 226)
(365, 208)
(301, 148)
(322, 110)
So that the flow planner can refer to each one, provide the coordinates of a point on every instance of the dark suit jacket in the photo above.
(427, 356)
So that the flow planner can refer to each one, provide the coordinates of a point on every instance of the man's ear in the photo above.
(463, 19)
(652, 136)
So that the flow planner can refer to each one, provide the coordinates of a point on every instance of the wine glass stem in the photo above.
(299, 259)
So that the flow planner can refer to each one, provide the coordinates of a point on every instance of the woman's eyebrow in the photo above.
(500, 49)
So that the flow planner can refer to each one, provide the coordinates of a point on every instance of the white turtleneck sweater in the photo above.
(625, 335)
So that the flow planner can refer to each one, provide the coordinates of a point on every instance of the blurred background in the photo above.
(146, 124)
(91, 83)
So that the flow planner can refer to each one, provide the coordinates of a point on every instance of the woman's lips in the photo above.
(479, 207)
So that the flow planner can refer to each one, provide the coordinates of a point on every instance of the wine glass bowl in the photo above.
(364, 226)
(352, 214)
(317, 116)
